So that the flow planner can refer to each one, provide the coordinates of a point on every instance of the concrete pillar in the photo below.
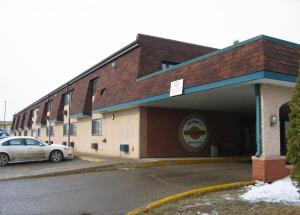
(269, 165)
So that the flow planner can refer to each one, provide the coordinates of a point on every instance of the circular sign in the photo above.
(193, 133)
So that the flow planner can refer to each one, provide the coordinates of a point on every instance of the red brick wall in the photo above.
(163, 125)
(155, 50)
(119, 82)
(269, 170)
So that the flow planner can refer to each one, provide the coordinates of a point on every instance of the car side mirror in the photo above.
(41, 144)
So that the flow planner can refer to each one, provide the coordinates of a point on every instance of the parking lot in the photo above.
(15, 170)
(112, 192)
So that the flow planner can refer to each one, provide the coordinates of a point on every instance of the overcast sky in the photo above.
(45, 43)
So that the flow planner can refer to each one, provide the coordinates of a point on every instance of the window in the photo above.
(38, 132)
(73, 129)
(94, 84)
(31, 142)
(5, 143)
(167, 64)
(16, 142)
(102, 92)
(20, 133)
(50, 131)
(66, 129)
(97, 127)
(25, 133)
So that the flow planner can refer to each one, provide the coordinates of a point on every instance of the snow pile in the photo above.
(279, 191)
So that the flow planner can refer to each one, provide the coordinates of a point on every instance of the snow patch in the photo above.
(228, 197)
(284, 191)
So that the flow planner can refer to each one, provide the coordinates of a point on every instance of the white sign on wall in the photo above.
(176, 88)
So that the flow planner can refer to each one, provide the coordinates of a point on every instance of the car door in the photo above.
(16, 149)
(35, 150)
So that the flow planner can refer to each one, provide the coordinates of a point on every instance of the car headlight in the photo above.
(67, 149)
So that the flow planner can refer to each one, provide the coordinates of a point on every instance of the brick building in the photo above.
(164, 98)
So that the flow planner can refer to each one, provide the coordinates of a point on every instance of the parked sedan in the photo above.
(15, 149)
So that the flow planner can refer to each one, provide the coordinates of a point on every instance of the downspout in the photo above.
(69, 121)
(49, 133)
(258, 120)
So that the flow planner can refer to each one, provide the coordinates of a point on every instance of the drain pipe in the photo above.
(258, 120)
(69, 120)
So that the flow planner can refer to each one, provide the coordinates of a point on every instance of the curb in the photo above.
(119, 166)
(188, 193)
(110, 167)
(192, 161)
(85, 158)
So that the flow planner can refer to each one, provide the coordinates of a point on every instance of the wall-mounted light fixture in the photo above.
(273, 119)
(114, 65)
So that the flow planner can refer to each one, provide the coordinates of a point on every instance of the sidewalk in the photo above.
(84, 163)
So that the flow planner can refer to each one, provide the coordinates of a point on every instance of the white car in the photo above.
(15, 149)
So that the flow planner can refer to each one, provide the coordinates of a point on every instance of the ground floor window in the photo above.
(50, 131)
(66, 129)
(72, 129)
(97, 127)
(35, 132)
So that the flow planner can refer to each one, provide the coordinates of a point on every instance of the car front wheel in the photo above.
(56, 156)
(3, 159)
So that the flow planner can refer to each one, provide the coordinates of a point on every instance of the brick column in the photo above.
(269, 165)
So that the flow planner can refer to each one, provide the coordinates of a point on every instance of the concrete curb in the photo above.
(188, 193)
(123, 165)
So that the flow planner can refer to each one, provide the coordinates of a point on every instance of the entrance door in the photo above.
(246, 142)
(283, 141)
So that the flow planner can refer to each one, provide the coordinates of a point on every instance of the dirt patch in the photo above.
(224, 203)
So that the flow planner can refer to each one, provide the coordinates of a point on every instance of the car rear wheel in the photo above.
(56, 156)
(3, 159)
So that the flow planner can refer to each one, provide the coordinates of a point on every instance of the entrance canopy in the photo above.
(234, 94)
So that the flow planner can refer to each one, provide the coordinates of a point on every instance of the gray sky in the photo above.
(44, 43)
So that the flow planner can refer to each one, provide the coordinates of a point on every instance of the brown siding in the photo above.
(119, 82)
(281, 58)
(23, 117)
(57, 107)
(80, 93)
(16, 121)
(28, 118)
(13, 125)
(41, 116)
(123, 87)
(155, 50)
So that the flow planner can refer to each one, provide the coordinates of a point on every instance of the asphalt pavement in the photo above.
(112, 192)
